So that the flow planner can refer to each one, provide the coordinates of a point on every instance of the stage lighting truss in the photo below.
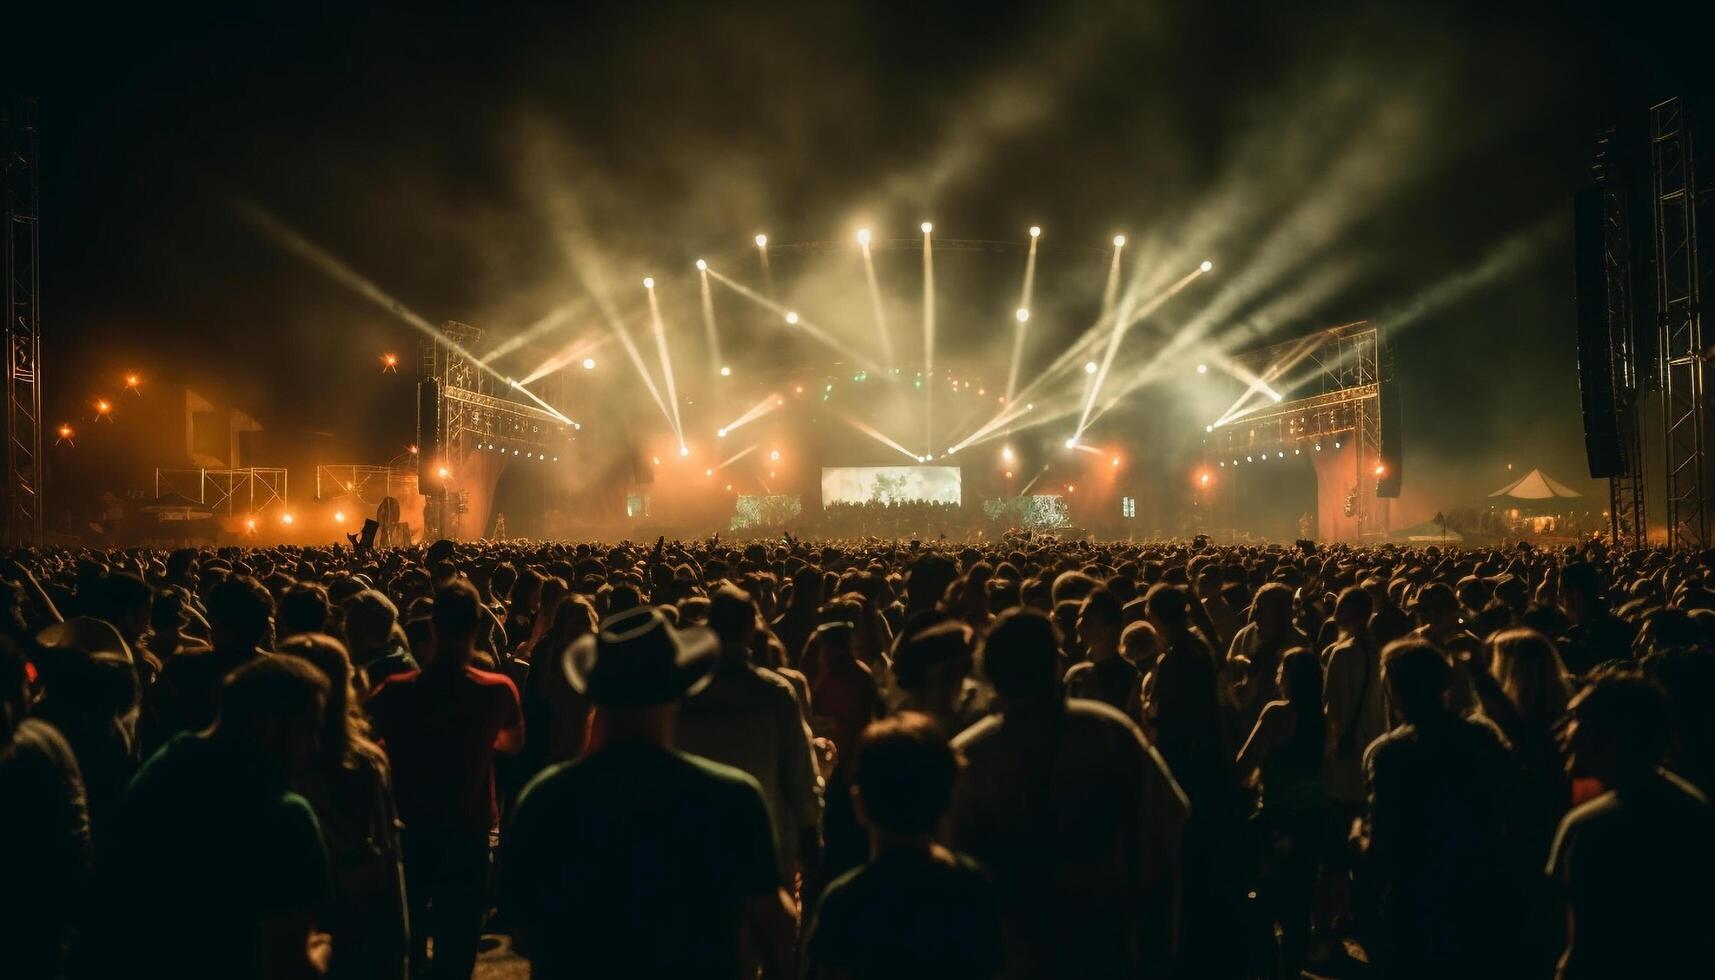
(366, 483)
(1332, 380)
(249, 490)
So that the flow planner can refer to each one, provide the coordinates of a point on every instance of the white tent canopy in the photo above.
(1536, 485)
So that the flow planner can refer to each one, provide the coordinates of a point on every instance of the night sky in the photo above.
(1411, 163)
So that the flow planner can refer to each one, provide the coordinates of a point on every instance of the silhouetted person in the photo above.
(1436, 828)
(1074, 814)
(1105, 676)
(748, 718)
(916, 909)
(44, 827)
(637, 859)
(1594, 635)
(214, 840)
(441, 727)
(348, 785)
(1635, 863)
(183, 699)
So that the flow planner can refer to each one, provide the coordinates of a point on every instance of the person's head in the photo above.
(574, 617)
(344, 725)
(902, 783)
(1168, 609)
(273, 705)
(1416, 674)
(1271, 610)
(1098, 623)
(636, 668)
(369, 620)
(1352, 611)
(1528, 669)
(125, 601)
(1619, 729)
(455, 617)
(303, 609)
(1437, 607)
(934, 659)
(1020, 656)
(240, 614)
(1140, 644)
(732, 615)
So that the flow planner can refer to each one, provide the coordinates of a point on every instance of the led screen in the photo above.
(890, 484)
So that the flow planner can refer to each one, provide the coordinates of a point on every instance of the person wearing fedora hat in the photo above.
(637, 859)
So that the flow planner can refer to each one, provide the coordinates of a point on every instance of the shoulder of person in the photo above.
(720, 774)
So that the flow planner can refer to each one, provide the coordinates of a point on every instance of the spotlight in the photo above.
(1336, 444)
(1276, 396)
(285, 518)
(729, 488)
(1007, 454)
(648, 282)
(927, 227)
(721, 433)
(1070, 488)
(920, 459)
(726, 372)
(1280, 455)
(761, 241)
(702, 266)
(1208, 428)
(1072, 443)
(1204, 479)
(1089, 367)
(1248, 459)
(339, 517)
(775, 455)
(1030, 406)
(1009, 474)
(709, 472)
(1202, 369)
(863, 236)
(443, 472)
(1035, 232)
(250, 523)
(1380, 469)
(656, 460)
(1206, 266)
(684, 450)
(791, 316)
(411, 449)
(1318, 447)
(1116, 461)
(589, 364)
(1022, 314)
(1119, 241)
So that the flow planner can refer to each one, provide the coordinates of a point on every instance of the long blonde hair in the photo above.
(345, 735)
(1529, 671)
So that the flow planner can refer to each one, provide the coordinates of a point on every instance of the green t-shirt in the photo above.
(635, 861)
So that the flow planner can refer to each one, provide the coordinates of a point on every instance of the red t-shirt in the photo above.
(439, 730)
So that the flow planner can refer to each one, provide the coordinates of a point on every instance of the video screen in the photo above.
(890, 484)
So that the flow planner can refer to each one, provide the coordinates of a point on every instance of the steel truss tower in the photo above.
(1627, 511)
(1680, 324)
(21, 495)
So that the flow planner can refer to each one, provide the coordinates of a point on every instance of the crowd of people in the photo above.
(857, 758)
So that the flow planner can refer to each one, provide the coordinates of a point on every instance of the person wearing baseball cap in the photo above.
(638, 859)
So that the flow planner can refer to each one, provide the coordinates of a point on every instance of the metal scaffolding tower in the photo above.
(1627, 511)
(21, 495)
(1680, 324)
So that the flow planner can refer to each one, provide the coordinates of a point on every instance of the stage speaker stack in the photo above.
(1603, 447)
(430, 446)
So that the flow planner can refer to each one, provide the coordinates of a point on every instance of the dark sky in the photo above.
(1340, 161)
